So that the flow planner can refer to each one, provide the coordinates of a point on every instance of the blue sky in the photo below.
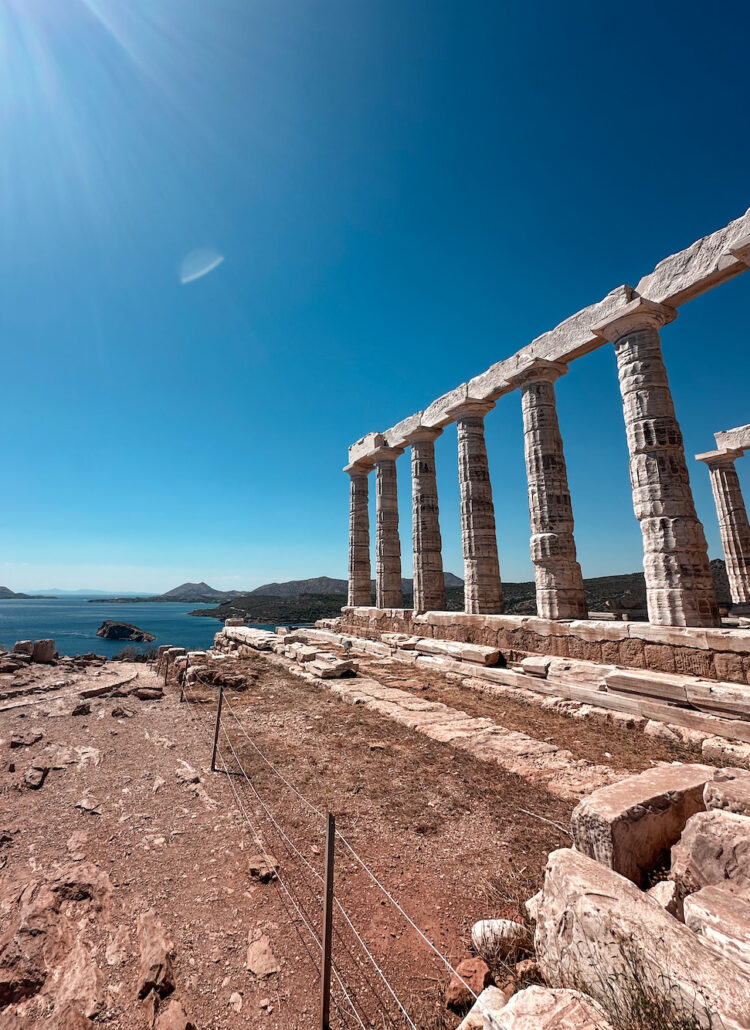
(403, 192)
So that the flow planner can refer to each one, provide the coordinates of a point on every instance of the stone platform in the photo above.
(719, 654)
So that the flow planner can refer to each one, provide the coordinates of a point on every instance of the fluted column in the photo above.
(429, 582)
(388, 592)
(733, 522)
(559, 583)
(360, 583)
(679, 584)
(483, 592)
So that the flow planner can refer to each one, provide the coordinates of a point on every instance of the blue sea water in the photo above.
(73, 622)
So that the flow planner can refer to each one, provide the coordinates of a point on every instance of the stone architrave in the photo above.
(360, 585)
(559, 582)
(429, 582)
(483, 592)
(734, 527)
(679, 585)
(388, 591)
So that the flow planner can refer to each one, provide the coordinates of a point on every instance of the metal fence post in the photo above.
(216, 731)
(184, 678)
(325, 961)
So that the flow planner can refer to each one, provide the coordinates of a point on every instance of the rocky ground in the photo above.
(130, 887)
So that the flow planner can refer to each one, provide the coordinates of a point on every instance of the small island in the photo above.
(111, 630)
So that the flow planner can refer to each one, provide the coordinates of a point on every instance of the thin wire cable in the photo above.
(319, 877)
(361, 861)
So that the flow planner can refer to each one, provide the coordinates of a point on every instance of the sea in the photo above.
(72, 622)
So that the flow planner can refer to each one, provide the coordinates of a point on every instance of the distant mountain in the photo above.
(6, 594)
(326, 585)
(192, 591)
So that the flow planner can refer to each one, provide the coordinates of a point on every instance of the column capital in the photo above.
(386, 454)
(470, 407)
(358, 468)
(423, 433)
(539, 371)
(638, 313)
(715, 459)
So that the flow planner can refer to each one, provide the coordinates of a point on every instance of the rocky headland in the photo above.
(112, 630)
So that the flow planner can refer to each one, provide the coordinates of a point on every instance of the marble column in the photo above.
(679, 585)
(429, 582)
(733, 522)
(360, 584)
(559, 583)
(388, 592)
(483, 592)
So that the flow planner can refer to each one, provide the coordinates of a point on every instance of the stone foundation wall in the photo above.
(713, 654)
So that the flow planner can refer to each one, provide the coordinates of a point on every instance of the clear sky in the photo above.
(402, 192)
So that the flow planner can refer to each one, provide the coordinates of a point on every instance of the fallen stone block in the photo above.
(665, 686)
(730, 752)
(475, 653)
(597, 931)
(263, 867)
(536, 665)
(729, 790)
(628, 826)
(43, 651)
(306, 654)
(23, 647)
(156, 973)
(260, 959)
(332, 668)
(722, 917)
(493, 937)
(666, 894)
(725, 699)
(484, 1011)
(714, 849)
(548, 1008)
(25, 739)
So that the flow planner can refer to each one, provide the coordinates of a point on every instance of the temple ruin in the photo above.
(679, 584)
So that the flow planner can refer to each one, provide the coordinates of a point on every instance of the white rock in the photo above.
(665, 893)
(722, 917)
(546, 1008)
(499, 937)
(484, 1010)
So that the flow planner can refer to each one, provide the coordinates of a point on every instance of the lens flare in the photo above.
(198, 263)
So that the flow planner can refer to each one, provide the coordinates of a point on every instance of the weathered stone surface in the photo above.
(173, 1017)
(729, 790)
(328, 668)
(260, 959)
(360, 590)
(679, 585)
(734, 439)
(482, 587)
(485, 1009)
(43, 651)
(730, 751)
(492, 937)
(714, 848)
(734, 527)
(628, 826)
(263, 867)
(156, 956)
(593, 925)
(478, 654)
(722, 917)
(473, 976)
(665, 893)
(429, 582)
(23, 647)
(559, 582)
(388, 592)
(548, 1008)
(536, 665)
(258, 639)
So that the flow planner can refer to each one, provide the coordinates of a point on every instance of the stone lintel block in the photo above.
(399, 435)
(630, 825)
(364, 447)
(587, 915)
(437, 414)
(701, 266)
(358, 468)
(722, 918)
(738, 438)
(490, 385)
(537, 370)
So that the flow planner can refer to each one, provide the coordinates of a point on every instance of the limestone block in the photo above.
(23, 647)
(483, 1013)
(722, 917)
(258, 639)
(476, 653)
(548, 1008)
(714, 849)
(628, 826)
(724, 699)
(43, 651)
(732, 752)
(664, 685)
(402, 640)
(734, 439)
(331, 668)
(729, 791)
(536, 665)
(593, 925)
(306, 654)
(665, 893)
